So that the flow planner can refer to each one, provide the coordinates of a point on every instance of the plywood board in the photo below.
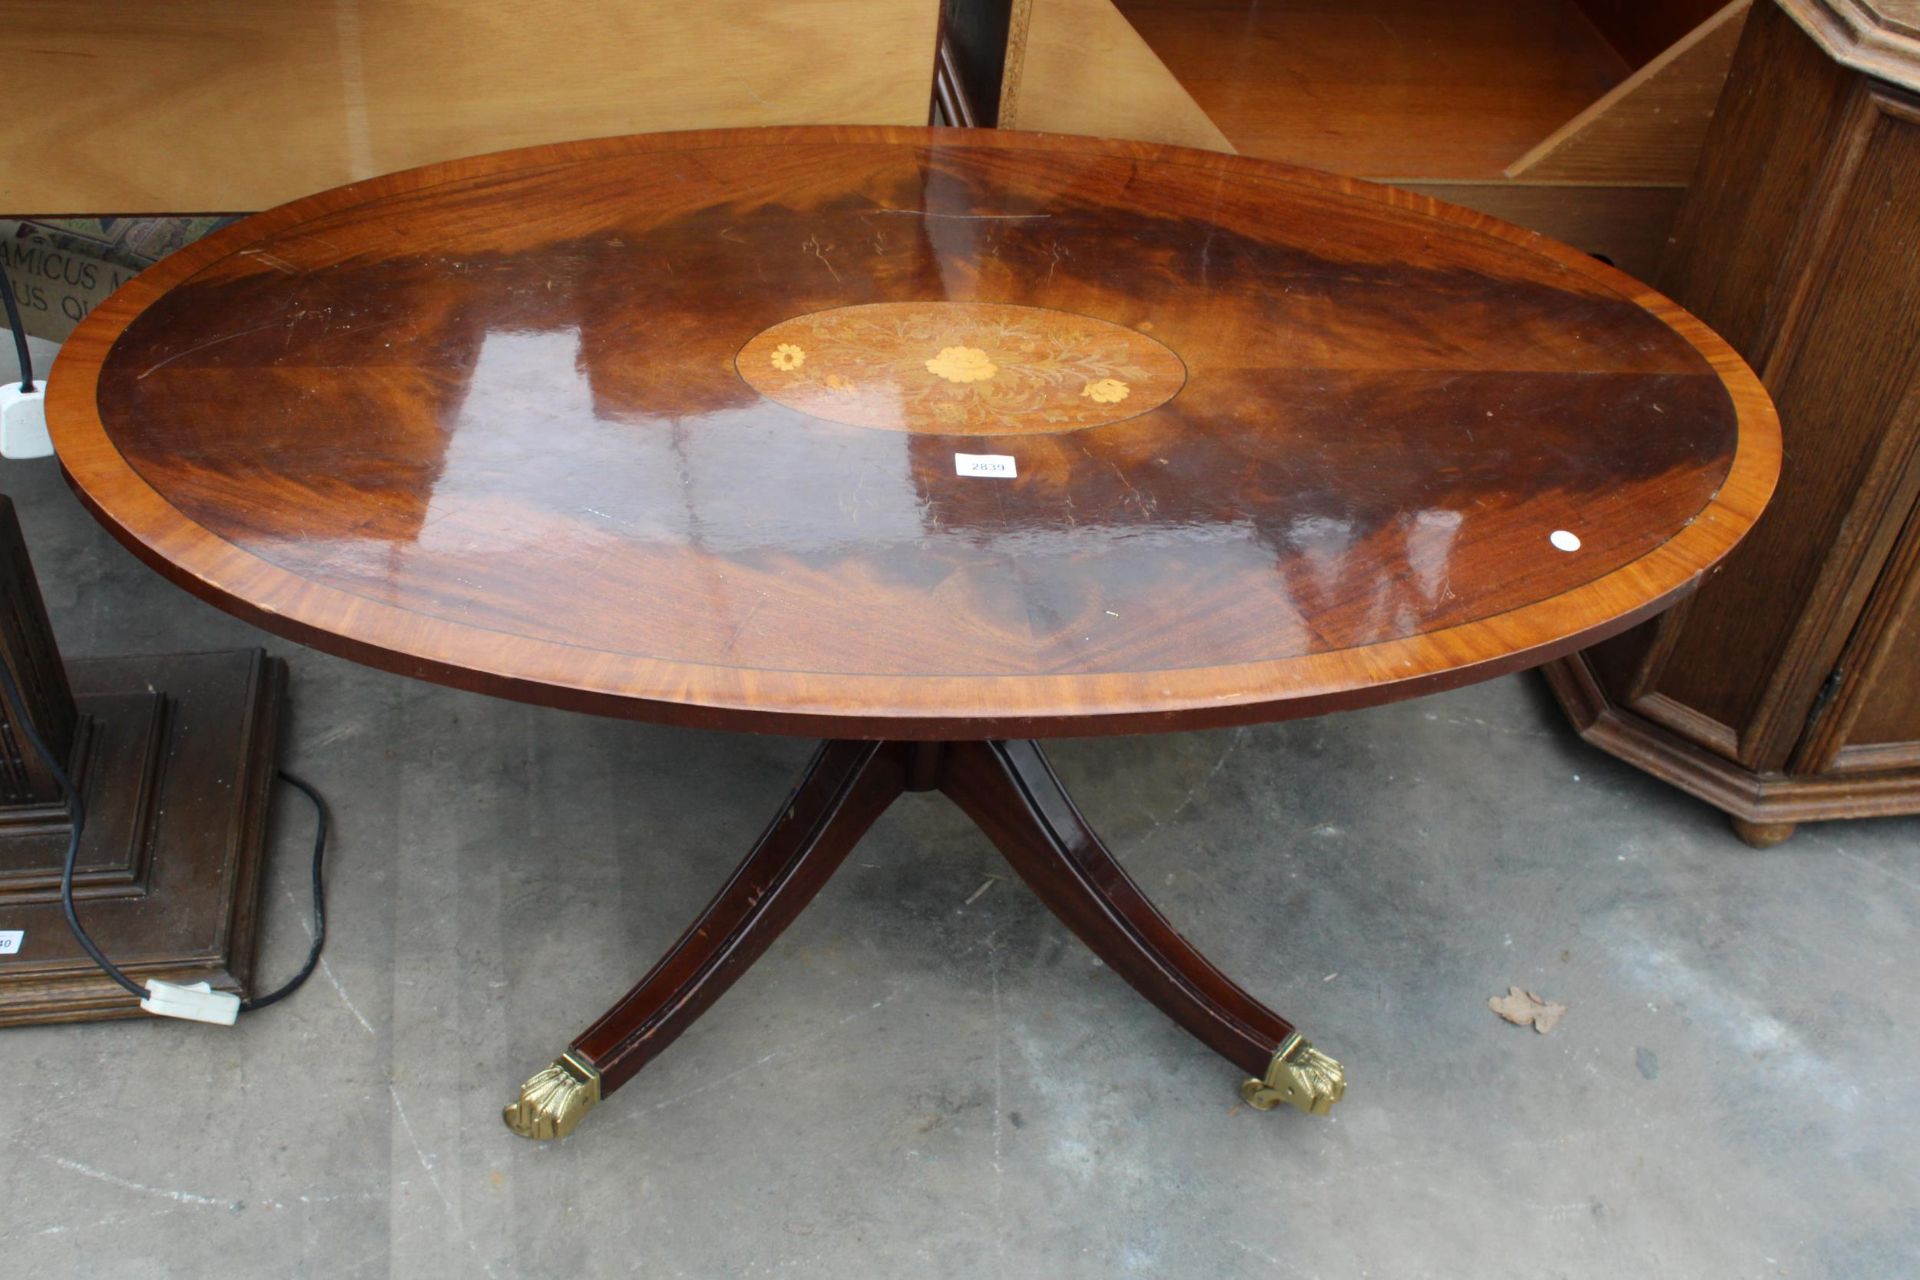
(208, 105)
(1651, 127)
(1077, 66)
(1627, 225)
(1439, 89)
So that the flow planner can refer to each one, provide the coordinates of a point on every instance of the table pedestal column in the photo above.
(1011, 792)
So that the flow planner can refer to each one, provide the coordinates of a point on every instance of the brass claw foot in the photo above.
(1299, 1074)
(552, 1104)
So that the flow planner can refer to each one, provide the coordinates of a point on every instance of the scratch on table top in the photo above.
(273, 260)
(812, 245)
(1056, 253)
(210, 342)
(728, 646)
(1140, 500)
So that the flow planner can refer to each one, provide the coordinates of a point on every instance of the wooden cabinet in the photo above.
(1788, 689)
(1582, 119)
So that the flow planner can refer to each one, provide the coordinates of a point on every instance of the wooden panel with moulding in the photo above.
(1787, 690)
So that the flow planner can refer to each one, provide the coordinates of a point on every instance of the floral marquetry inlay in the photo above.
(962, 364)
(961, 368)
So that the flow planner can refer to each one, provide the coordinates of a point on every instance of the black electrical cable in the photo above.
(76, 820)
(319, 899)
(77, 812)
(19, 332)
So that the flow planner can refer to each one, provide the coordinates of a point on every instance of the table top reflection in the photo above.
(682, 427)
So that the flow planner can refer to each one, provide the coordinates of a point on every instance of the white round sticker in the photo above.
(1564, 540)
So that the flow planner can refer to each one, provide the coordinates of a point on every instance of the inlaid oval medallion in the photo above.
(960, 368)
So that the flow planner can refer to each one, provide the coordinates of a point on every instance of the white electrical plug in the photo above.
(197, 1003)
(23, 422)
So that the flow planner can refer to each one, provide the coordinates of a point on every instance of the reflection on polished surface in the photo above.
(703, 405)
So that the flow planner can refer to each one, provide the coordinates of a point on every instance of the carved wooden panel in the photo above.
(1791, 676)
(1842, 362)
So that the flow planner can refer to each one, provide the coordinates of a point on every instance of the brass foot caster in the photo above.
(1299, 1074)
(552, 1104)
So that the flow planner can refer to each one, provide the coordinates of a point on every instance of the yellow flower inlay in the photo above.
(1106, 391)
(962, 364)
(789, 357)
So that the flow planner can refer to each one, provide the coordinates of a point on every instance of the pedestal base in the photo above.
(176, 761)
(1011, 793)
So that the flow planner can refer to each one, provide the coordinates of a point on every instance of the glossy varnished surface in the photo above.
(666, 426)
(960, 368)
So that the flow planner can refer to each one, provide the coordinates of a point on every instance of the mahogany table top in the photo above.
(668, 427)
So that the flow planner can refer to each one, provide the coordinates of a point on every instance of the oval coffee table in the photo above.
(930, 443)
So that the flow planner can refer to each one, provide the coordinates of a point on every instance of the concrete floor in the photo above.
(918, 1081)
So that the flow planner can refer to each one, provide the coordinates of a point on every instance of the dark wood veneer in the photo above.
(476, 423)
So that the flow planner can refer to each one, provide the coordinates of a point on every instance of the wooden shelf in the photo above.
(1582, 119)
(1409, 89)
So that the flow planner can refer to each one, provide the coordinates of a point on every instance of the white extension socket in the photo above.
(198, 1002)
(23, 422)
